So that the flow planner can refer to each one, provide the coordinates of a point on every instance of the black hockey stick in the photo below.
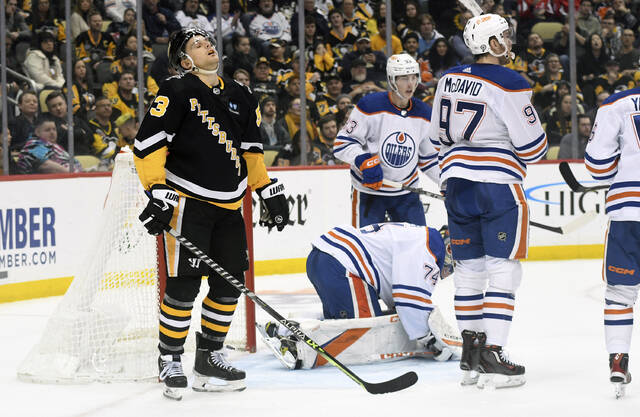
(572, 182)
(568, 228)
(396, 384)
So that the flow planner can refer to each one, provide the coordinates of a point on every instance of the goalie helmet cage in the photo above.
(105, 328)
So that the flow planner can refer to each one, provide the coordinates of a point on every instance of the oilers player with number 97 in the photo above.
(386, 137)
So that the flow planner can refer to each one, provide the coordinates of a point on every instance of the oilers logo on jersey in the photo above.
(398, 149)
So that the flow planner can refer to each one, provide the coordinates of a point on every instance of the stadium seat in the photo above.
(547, 30)
(552, 153)
(269, 157)
(88, 162)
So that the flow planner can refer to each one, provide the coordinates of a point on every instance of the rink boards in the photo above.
(47, 223)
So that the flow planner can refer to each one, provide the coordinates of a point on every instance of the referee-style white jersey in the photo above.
(613, 153)
(399, 260)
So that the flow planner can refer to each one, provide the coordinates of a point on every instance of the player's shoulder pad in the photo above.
(173, 84)
(420, 109)
(238, 90)
(621, 94)
(374, 102)
(502, 77)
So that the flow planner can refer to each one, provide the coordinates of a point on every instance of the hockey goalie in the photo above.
(352, 270)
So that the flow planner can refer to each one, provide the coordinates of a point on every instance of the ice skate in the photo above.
(283, 347)
(471, 344)
(170, 372)
(496, 370)
(213, 373)
(620, 375)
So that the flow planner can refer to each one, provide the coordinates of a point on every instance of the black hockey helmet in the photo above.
(178, 42)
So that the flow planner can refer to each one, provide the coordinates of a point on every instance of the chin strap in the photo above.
(195, 69)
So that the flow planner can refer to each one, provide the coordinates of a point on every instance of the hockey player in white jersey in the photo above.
(351, 269)
(613, 155)
(486, 131)
(386, 137)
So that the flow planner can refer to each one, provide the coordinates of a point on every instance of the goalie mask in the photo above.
(178, 44)
(398, 65)
(446, 264)
(479, 31)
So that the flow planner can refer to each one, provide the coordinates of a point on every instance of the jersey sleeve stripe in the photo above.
(531, 144)
(624, 184)
(411, 297)
(410, 288)
(595, 161)
(142, 145)
(195, 190)
(409, 305)
(365, 252)
(346, 252)
(357, 254)
(248, 145)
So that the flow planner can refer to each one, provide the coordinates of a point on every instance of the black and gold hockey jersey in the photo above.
(203, 141)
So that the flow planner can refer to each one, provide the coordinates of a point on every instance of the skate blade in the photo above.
(202, 383)
(469, 378)
(619, 389)
(498, 381)
(173, 393)
(273, 343)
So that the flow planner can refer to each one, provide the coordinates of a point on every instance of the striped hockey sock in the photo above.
(217, 314)
(497, 314)
(618, 325)
(175, 319)
(468, 307)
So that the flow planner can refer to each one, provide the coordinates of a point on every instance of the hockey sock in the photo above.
(497, 313)
(468, 307)
(217, 314)
(175, 319)
(618, 325)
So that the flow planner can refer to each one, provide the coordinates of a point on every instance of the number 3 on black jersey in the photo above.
(160, 108)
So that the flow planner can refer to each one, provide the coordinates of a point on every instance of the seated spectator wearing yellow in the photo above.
(126, 129)
(327, 102)
(96, 48)
(83, 100)
(340, 38)
(356, 16)
(310, 77)
(534, 57)
(104, 135)
(379, 14)
(322, 59)
(567, 142)
(546, 85)
(12, 167)
(379, 40)
(56, 104)
(278, 62)
(42, 65)
(122, 96)
(42, 154)
(23, 125)
(129, 61)
(612, 81)
(292, 119)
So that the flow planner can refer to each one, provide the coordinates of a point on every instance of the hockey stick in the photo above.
(563, 230)
(393, 385)
(572, 182)
(472, 6)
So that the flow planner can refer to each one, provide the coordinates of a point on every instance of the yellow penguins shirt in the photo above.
(203, 141)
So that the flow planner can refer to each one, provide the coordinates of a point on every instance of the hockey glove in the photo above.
(369, 165)
(277, 207)
(157, 215)
(441, 351)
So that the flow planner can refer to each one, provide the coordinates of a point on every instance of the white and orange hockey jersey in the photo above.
(400, 138)
(400, 260)
(484, 125)
(613, 153)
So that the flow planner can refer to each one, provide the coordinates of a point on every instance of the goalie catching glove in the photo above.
(157, 215)
(441, 351)
(276, 213)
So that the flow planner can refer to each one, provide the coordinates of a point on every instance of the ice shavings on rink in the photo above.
(557, 334)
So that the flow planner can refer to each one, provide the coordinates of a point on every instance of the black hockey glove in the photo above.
(277, 207)
(157, 215)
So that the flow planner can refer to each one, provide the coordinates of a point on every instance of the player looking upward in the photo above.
(197, 150)
(613, 155)
(486, 131)
(386, 137)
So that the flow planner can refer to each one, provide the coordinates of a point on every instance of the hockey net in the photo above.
(106, 325)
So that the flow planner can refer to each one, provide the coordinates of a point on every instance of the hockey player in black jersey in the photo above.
(197, 150)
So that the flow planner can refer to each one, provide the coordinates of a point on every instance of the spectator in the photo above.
(379, 40)
(57, 105)
(534, 57)
(629, 56)
(457, 41)
(561, 44)
(129, 42)
(291, 155)
(311, 79)
(231, 24)
(428, 33)
(189, 16)
(263, 83)
(611, 35)
(355, 17)
(242, 76)
(103, 130)
(279, 64)
(323, 62)
(409, 22)
(18, 34)
(567, 142)
(600, 98)
(243, 56)
(328, 128)
(311, 36)
(623, 16)
(379, 15)
(360, 85)
(376, 61)
(592, 65)
(441, 58)
(311, 11)
(327, 102)
(116, 10)
(341, 38)
(269, 24)
(84, 99)
(586, 21)
(42, 154)
(273, 131)
(129, 62)
(96, 48)
(612, 80)
(127, 26)
(43, 17)
(558, 120)
(411, 44)
(127, 129)
(23, 125)
(13, 167)
(123, 98)
(42, 65)
(343, 101)
(80, 17)
(160, 23)
(546, 85)
(345, 106)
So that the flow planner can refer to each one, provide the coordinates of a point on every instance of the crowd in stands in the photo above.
(345, 50)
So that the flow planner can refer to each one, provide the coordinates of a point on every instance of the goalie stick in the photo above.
(570, 227)
(572, 182)
(393, 385)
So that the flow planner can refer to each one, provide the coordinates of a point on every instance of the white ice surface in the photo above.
(557, 334)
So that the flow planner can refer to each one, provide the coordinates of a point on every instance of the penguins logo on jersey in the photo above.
(398, 149)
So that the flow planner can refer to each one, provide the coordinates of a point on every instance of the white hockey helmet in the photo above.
(480, 29)
(401, 64)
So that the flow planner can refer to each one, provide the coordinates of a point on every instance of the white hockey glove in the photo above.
(441, 351)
